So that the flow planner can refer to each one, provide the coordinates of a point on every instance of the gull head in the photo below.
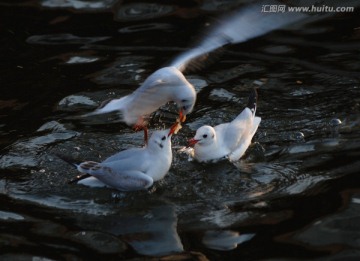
(182, 91)
(205, 135)
(186, 102)
(160, 140)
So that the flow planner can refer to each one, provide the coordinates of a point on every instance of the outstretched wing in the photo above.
(244, 24)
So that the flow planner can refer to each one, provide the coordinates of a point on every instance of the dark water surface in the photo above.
(296, 195)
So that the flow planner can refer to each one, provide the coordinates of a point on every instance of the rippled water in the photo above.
(294, 195)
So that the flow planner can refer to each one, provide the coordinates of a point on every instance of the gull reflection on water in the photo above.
(153, 232)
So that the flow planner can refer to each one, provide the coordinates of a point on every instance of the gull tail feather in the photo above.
(253, 97)
(73, 163)
(111, 108)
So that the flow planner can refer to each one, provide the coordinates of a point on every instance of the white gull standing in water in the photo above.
(169, 84)
(229, 140)
(131, 169)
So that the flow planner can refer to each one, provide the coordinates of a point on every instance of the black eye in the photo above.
(163, 138)
(205, 136)
(184, 100)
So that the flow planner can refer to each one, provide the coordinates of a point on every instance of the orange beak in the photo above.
(193, 141)
(173, 128)
(182, 117)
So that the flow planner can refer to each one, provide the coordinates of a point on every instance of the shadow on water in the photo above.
(294, 195)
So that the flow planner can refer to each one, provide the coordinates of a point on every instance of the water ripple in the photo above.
(142, 11)
(79, 4)
(60, 39)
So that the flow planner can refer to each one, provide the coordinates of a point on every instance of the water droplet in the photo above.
(334, 127)
(299, 136)
(335, 122)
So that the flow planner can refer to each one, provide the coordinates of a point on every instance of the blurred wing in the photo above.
(242, 25)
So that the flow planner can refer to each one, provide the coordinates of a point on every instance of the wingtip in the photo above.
(253, 97)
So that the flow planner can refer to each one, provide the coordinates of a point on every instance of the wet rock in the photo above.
(25, 153)
(74, 102)
(52, 126)
(13, 161)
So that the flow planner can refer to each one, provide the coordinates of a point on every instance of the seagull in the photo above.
(131, 169)
(164, 85)
(229, 140)
(168, 84)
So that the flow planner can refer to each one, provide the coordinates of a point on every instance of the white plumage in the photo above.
(132, 169)
(228, 139)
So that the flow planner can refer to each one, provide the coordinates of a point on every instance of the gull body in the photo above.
(132, 169)
(229, 140)
(164, 85)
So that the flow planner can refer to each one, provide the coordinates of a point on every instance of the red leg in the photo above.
(141, 125)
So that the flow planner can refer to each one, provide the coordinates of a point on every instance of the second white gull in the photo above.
(131, 169)
(229, 140)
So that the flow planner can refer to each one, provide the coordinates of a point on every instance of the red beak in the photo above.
(193, 141)
(182, 117)
(173, 128)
